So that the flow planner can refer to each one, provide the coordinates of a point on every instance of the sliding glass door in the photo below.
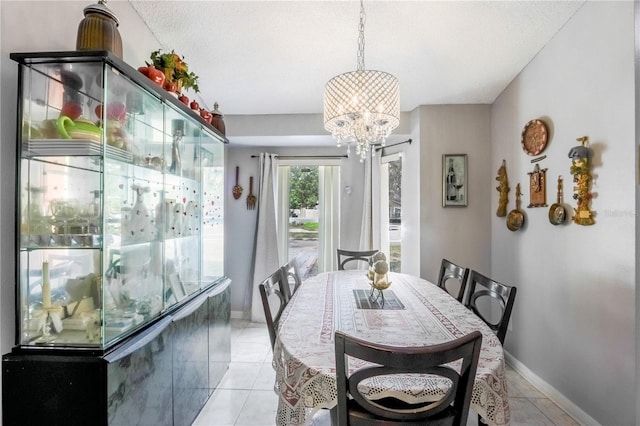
(308, 222)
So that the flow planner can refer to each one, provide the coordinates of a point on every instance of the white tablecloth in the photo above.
(304, 357)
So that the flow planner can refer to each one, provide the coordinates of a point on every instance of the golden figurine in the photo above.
(503, 189)
(582, 178)
(377, 274)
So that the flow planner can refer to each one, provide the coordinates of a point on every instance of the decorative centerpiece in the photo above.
(378, 276)
(176, 72)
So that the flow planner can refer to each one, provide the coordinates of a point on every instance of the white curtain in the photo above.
(370, 227)
(329, 217)
(283, 211)
(265, 250)
(366, 228)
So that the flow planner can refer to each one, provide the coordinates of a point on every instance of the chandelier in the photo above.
(362, 107)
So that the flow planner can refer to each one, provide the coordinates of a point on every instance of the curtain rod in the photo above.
(380, 148)
(306, 156)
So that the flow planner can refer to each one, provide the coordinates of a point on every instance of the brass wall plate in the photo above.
(535, 137)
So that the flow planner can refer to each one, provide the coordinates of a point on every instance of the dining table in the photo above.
(415, 312)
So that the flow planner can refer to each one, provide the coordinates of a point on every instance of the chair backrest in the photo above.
(272, 288)
(292, 276)
(451, 409)
(345, 256)
(481, 287)
(450, 271)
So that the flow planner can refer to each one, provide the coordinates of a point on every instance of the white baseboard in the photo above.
(561, 401)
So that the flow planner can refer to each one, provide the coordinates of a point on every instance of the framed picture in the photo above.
(454, 180)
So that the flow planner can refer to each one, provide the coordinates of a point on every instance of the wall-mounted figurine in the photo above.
(582, 179)
(557, 213)
(515, 219)
(503, 189)
(538, 187)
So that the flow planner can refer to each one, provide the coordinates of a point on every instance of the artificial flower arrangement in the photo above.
(176, 71)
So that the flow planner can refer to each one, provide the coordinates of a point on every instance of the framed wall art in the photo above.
(454, 180)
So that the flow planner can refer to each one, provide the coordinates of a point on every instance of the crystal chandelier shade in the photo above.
(362, 106)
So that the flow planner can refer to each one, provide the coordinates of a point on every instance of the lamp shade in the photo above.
(362, 106)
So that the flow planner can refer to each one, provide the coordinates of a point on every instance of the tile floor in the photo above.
(245, 397)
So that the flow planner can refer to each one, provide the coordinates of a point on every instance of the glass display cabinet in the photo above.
(120, 195)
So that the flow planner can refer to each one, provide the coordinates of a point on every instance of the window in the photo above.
(391, 209)
(308, 220)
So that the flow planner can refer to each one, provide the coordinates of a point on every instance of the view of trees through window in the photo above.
(303, 218)
(395, 214)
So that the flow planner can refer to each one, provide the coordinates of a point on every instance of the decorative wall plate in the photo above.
(534, 137)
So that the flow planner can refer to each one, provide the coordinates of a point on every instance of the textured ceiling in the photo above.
(274, 57)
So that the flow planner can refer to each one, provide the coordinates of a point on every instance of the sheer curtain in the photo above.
(265, 250)
(370, 228)
(329, 217)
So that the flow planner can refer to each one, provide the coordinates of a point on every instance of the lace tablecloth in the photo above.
(304, 357)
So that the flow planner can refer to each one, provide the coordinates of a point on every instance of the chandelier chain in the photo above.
(363, 18)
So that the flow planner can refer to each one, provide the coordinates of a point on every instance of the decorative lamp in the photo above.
(363, 106)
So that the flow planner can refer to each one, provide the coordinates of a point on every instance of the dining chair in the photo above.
(273, 288)
(452, 273)
(346, 256)
(355, 408)
(292, 276)
(482, 292)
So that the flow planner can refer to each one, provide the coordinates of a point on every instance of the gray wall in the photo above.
(460, 234)
(573, 325)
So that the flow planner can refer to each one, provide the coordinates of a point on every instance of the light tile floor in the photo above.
(245, 397)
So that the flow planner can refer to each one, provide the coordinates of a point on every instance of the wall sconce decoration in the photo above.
(503, 189)
(582, 179)
(251, 198)
(537, 187)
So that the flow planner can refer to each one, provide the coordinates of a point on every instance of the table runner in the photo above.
(304, 355)
(364, 300)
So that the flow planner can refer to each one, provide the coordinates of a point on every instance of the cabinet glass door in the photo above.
(120, 201)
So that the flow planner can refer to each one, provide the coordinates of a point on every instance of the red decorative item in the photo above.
(170, 86)
(183, 99)
(206, 115)
(153, 74)
(117, 111)
(98, 111)
(71, 110)
(194, 105)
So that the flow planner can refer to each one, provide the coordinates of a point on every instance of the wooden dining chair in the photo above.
(273, 288)
(355, 408)
(346, 256)
(451, 273)
(484, 290)
(292, 276)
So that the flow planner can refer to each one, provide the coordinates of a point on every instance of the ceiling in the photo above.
(274, 57)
